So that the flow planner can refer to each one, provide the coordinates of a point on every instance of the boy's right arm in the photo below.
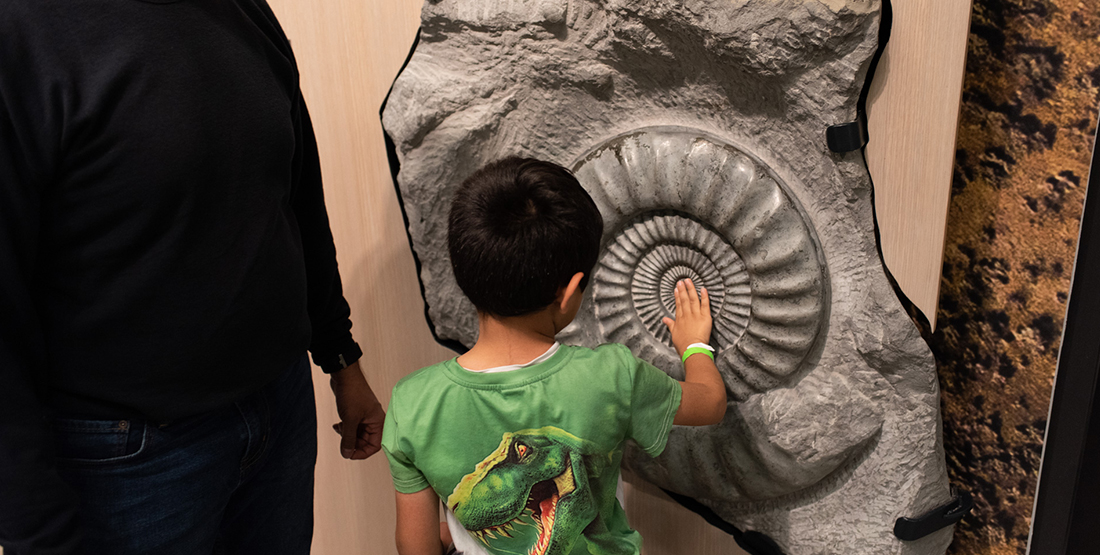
(703, 399)
(418, 530)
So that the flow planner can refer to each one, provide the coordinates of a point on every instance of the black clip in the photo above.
(847, 137)
(909, 529)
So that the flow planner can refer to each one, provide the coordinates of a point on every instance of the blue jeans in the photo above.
(236, 480)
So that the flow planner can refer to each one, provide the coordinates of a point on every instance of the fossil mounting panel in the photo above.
(698, 127)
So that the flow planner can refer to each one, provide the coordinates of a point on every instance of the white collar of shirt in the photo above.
(509, 367)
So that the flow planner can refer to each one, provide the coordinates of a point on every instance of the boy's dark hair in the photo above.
(519, 229)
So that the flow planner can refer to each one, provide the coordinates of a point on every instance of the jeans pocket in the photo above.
(97, 441)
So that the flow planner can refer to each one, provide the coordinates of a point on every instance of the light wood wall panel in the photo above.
(349, 52)
(913, 110)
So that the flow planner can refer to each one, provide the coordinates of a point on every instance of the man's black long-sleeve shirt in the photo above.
(164, 245)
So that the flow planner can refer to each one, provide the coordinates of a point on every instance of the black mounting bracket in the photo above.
(909, 529)
(847, 137)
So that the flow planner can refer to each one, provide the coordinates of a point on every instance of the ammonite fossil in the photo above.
(717, 215)
(698, 127)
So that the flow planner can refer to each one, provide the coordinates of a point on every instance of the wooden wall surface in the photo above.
(349, 52)
(913, 110)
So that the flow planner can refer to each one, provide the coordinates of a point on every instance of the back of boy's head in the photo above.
(519, 229)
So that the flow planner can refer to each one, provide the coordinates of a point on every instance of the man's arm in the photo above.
(418, 529)
(332, 346)
(703, 401)
(38, 511)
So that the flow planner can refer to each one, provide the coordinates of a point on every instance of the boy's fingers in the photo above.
(706, 303)
(692, 296)
(679, 299)
(668, 322)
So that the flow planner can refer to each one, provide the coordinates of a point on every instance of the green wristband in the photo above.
(696, 350)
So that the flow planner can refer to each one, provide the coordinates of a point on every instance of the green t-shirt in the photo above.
(528, 460)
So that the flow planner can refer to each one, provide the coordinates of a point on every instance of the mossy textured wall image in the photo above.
(1025, 136)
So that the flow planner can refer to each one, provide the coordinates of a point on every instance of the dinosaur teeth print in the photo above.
(506, 529)
(546, 525)
(555, 465)
(535, 520)
(501, 530)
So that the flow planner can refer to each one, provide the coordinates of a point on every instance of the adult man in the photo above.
(165, 262)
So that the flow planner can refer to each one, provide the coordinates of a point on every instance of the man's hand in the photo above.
(693, 321)
(361, 415)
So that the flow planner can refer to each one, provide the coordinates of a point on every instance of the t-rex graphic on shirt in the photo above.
(536, 478)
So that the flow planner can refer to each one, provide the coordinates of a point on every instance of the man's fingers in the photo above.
(706, 303)
(374, 444)
(668, 322)
(367, 442)
(361, 417)
(347, 440)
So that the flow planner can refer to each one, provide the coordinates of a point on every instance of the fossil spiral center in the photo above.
(655, 279)
(667, 289)
(655, 253)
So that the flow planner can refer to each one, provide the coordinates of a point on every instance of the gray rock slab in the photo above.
(699, 129)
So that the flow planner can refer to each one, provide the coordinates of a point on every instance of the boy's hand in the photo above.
(692, 323)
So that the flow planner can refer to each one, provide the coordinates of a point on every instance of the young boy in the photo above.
(521, 437)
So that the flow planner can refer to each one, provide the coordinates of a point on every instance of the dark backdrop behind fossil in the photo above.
(1026, 128)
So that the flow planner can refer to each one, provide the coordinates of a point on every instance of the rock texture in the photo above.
(698, 127)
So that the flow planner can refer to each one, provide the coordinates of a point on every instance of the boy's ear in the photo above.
(565, 294)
